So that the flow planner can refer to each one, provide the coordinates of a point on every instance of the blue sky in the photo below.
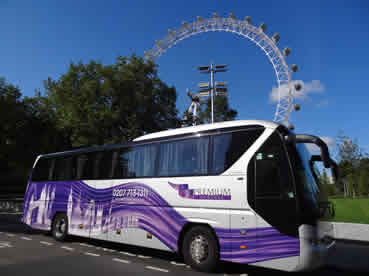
(329, 42)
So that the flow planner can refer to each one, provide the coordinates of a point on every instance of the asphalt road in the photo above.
(28, 252)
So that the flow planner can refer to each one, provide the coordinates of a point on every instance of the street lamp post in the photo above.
(212, 69)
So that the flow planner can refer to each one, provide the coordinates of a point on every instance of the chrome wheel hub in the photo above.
(60, 227)
(199, 249)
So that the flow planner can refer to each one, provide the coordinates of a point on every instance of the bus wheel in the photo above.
(200, 249)
(60, 227)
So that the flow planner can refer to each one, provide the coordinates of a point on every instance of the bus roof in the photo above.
(194, 129)
(172, 132)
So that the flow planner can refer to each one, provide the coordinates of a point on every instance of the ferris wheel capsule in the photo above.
(262, 27)
(298, 86)
(276, 37)
(287, 51)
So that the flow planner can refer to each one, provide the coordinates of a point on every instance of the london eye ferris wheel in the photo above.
(255, 34)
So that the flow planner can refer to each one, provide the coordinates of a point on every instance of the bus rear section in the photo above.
(239, 194)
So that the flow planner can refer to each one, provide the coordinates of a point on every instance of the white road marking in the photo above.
(109, 250)
(10, 235)
(1, 233)
(67, 248)
(25, 238)
(178, 264)
(188, 266)
(92, 254)
(128, 254)
(5, 244)
(333, 243)
(87, 245)
(243, 274)
(157, 268)
(121, 261)
(144, 257)
(46, 243)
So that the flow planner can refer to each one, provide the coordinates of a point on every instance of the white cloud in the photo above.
(328, 140)
(315, 86)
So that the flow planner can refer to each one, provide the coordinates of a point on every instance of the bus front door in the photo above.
(272, 196)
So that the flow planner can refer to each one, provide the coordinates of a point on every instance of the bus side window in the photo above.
(184, 157)
(58, 169)
(142, 161)
(96, 163)
(105, 164)
(229, 147)
(42, 170)
(70, 168)
(114, 164)
(81, 164)
(63, 169)
(121, 170)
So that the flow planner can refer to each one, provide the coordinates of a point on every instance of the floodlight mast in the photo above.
(212, 69)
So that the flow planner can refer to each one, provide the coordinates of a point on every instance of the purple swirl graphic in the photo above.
(136, 205)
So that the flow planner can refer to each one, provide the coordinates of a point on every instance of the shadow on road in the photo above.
(344, 253)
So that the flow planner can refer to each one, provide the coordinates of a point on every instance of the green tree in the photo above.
(25, 133)
(350, 185)
(12, 121)
(222, 110)
(364, 183)
(349, 155)
(95, 104)
(325, 179)
(329, 189)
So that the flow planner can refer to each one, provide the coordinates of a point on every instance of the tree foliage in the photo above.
(328, 187)
(353, 162)
(96, 104)
(91, 104)
(26, 132)
(222, 110)
(364, 183)
(349, 154)
(350, 185)
(12, 121)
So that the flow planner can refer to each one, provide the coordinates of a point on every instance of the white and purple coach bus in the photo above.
(239, 191)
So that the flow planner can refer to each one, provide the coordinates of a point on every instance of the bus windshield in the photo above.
(304, 177)
(312, 196)
(307, 187)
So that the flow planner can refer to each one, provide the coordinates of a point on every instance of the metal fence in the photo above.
(11, 204)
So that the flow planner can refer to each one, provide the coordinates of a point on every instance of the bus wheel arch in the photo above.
(60, 226)
(208, 232)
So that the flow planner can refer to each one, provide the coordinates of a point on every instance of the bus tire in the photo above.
(200, 249)
(59, 228)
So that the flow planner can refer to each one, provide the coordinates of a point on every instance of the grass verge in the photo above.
(351, 210)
